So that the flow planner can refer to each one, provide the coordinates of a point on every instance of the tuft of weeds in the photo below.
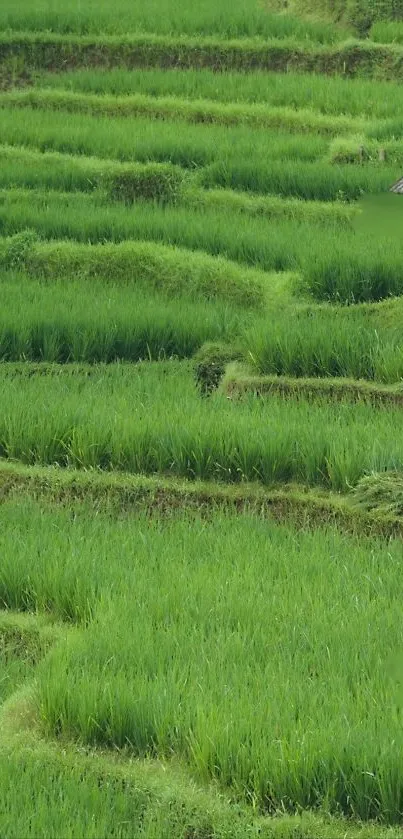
(380, 493)
(210, 362)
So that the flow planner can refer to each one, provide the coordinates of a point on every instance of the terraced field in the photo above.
(201, 424)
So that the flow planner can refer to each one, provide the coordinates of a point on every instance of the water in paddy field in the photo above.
(381, 216)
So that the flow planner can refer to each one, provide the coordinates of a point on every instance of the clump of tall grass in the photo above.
(381, 493)
(387, 32)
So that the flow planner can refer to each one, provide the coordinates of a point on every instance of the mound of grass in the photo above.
(323, 213)
(170, 271)
(51, 51)
(239, 381)
(280, 119)
(210, 363)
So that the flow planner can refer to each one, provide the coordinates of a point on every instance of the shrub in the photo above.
(17, 248)
(210, 363)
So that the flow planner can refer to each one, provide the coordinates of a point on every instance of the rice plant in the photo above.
(360, 97)
(152, 422)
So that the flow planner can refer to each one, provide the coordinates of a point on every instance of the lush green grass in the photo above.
(240, 380)
(309, 181)
(327, 342)
(171, 272)
(324, 255)
(68, 322)
(333, 96)
(387, 32)
(212, 669)
(241, 18)
(201, 110)
(128, 139)
(133, 420)
(231, 649)
(73, 794)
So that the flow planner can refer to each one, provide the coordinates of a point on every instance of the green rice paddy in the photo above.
(201, 425)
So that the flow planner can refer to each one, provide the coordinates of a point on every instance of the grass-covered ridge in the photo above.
(21, 53)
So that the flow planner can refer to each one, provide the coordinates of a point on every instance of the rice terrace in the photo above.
(201, 419)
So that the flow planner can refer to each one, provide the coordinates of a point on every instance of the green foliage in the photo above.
(151, 420)
(45, 51)
(65, 321)
(169, 271)
(210, 363)
(154, 182)
(380, 493)
(326, 342)
(215, 658)
(334, 95)
(15, 250)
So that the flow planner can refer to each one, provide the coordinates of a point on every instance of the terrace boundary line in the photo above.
(21, 51)
(200, 110)
(238, 381)
(130, 494)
